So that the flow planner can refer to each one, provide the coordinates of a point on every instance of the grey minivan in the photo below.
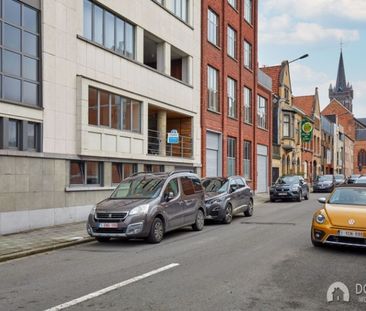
(147, 205)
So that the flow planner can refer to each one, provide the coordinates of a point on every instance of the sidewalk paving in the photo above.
(46, 239)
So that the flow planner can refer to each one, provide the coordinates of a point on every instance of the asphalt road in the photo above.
(265, 262)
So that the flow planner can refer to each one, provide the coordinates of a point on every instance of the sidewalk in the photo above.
(41, 240)
(46, 239)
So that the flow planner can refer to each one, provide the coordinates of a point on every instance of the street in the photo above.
(265, 262)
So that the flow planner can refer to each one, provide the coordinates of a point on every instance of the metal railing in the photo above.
(157, 145)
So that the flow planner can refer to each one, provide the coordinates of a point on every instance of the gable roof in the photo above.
(337, 103)
(305, 103)
(274, 72)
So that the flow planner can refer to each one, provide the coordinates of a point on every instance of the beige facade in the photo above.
(161, 79)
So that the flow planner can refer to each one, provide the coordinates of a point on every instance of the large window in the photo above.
(121, 171)
(231, 95)
(231, 156)
(233, 3)
(180, 9)
(288, 125)
(231, 42)
(248, 63)
(248, 10)
(213, 89)
(19, 53)
(213, 27)
(262, 112)
(85, 173)
(21, 135)
(247, 159)
(114, 111)
(109, 30)
(247, 105)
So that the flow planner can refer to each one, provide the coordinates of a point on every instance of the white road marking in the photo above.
(111, 288)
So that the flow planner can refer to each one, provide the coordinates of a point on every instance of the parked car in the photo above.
(324, 183)
(339, 179)
(342, 219)
(361, 180)
(290, 187)
(147, 205)
(352, 179)
(226, 197)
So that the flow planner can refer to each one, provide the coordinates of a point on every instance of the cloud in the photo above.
(359, 101)
(354, 10)
(281, 30)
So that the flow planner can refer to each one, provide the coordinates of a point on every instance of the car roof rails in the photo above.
(180, 171)
(147, 173)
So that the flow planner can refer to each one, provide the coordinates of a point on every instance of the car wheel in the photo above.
(300, 196)
(156, 232)
(228, 214)
(250, 209)
(200, 221)
(316, 243)
(272, 199)
(102, 239)
(307, 195)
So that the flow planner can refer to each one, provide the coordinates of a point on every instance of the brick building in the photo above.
(236, 114)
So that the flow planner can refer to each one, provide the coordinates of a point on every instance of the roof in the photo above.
(341, 84)
(305, 103)
(274, 72)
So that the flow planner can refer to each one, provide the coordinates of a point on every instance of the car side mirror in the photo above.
(169, 196)
(322, 200)
(233, 189)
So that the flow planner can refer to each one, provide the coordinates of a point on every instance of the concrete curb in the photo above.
(43, 249)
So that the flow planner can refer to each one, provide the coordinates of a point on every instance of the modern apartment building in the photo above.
(90, 91)
(233, 113)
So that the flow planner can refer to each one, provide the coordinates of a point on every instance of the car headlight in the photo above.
(140, 210)
(320, 218)
(93, 210)
(295, 187)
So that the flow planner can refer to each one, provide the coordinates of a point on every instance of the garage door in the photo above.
(262, 168)
(213, 154)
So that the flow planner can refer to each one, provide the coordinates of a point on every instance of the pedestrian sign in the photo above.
(173, 137)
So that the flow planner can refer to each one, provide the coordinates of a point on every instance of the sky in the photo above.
(291, 28)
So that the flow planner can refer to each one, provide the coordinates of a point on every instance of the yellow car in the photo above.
(342, 219)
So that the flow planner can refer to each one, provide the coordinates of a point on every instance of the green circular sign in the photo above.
(307, 127)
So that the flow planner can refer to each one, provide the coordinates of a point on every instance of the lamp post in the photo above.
(301, 57)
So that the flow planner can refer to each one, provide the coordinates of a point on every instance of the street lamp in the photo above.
(301, 57)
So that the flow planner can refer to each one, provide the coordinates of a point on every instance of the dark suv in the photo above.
(226, 197)
(147, 205)
(290, 187)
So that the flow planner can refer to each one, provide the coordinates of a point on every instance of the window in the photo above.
(233, 3)
(247, 105)
(231, 156)
(262, 112)
(362, 157)
(172, 186)
(14, 133)
(153, 168)
(213, 27)
(32, 133)
(187, 185)
(213, 93)
(121, 171)
(110, 110)
(85, 173)
(231, 94)
(248, 55)
(247, 159)
(109, 30)
(180, 9)
(19, 53)
(240, 182)
(288, 125)
(231, 42)
(248, 10)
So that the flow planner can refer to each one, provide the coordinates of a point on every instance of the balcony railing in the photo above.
(157, 145)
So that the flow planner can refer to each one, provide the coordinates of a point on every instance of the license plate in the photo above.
(351, 234)
(108, 225)
(282, 193)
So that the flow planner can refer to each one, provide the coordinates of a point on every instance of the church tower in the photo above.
(343, 91)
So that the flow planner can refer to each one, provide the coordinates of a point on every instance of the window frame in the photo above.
(233, 4)
(213, 93)
(247, 159)
(262, 120)
(84, 173)
(216, 31)
(248, 105)
(248, 4)
(232, 98)
(231, 155)
(248, 55)
(121, 170)
(231, 42)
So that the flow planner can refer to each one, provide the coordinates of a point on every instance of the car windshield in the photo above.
(324, 178)
(339, 177)
(355, 176)
(140, 188)
(215, 185)
(287, 180)
(349, 196)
